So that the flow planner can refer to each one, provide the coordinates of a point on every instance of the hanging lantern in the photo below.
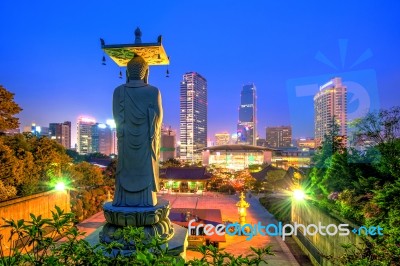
(103, 61)
(120, 74)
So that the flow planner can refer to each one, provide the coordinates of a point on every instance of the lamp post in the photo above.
(242, 206)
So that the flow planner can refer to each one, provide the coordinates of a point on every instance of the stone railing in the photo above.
(321, 249)
(21, 208)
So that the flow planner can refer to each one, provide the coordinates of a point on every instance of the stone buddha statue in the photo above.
(138, 113)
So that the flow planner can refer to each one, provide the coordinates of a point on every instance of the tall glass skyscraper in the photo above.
(247, 125)
(193, 115)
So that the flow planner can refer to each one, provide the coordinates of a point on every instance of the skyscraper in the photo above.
(84, 134)
(114, 139)
(101, 138)
(279, 137)
(247, 125)
(61, 132)
(330, 105)
(193, 114)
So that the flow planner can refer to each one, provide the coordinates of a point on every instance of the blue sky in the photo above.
(50, 55)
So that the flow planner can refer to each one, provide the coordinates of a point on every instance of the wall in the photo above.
(317, 247)
(38, 204)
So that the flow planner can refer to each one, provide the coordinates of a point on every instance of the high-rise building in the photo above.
(279, 137)
(84, 134)
(193, 115)
(247, 124)
(114, 139)
(222, 138)
(168, 139)
(101, 138)
(61, 132)
(330, 106)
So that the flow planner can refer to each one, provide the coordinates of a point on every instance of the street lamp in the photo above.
(60, 186)
(299, 195)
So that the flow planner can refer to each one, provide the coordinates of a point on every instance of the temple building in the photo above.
(184, 179)
(236, 156)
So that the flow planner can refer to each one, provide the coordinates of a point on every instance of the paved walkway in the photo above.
(237, 245)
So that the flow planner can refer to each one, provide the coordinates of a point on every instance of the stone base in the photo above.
(153, 219)
(176, 245)
(136, 216)
(162, 229)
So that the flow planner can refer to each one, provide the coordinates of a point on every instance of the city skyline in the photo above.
(54, 65)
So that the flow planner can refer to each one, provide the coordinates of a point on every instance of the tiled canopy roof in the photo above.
(185, 173)
(238, 147)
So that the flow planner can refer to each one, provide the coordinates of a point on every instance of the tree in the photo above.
(382, 131)
(87, 175)
(171, 162)
(50, 158)
(111, 170)
(8, 109)
(378, 127)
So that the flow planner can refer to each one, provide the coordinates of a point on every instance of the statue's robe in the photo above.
(138, 115)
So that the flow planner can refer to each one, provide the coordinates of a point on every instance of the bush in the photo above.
(227, 188)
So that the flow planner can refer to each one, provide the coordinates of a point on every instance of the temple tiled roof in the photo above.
(185, 173)
(238, 147)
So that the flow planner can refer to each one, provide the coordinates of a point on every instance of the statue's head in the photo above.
(137, 68)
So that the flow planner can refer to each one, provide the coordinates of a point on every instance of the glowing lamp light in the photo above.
(299, 194)
(111, 123)
(60, 186)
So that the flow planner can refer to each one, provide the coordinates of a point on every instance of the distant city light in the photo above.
(102, 126)
(111, 123)
(87, 119)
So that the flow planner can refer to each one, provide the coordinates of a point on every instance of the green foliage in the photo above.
(39, 247)
(111, 170)
(87, 202)
(8, 110)
(227, 188)
(7, 191)
(30, 163)
(85, 174)
(364, 186)
(278, 206)
(214, 256)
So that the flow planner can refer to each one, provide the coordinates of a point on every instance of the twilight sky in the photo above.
(50, 56)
